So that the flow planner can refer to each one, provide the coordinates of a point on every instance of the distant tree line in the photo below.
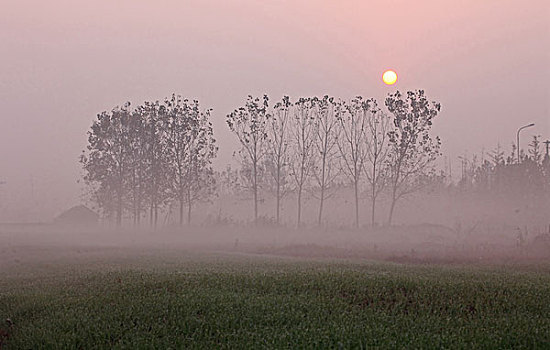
(145, 160)
(496, 173)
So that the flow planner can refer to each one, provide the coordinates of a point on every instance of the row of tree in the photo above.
(159, 155)
(141, 159)
(318, 144)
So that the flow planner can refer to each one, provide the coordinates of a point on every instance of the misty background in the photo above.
(487, 63)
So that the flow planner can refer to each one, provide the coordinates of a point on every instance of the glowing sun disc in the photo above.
(389, 77)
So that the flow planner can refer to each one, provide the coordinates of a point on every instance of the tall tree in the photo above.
(136, 181)
(352, 144)
(107, 163)
(412, 150)
(378, 125)
(191, 148)
(200, 181)
(179, 146)
(156, 160)
(249, 124)
(326, 171)
(277, 154)
(303, 142)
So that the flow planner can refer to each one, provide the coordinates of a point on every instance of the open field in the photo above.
(161, 297)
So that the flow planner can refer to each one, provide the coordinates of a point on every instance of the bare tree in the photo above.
(249, 124)
(277, 155)
(327, 130)
(352, 144)
(412, 149)
(378, 125)
(303, 155)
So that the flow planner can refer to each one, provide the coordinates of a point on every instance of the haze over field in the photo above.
(274, 174)
(63, 62)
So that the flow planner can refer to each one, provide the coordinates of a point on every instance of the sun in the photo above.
(389, 77)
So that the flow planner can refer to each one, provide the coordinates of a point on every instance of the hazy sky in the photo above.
(62, 62)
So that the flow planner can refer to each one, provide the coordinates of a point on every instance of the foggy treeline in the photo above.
(157, 157)
(508, 177)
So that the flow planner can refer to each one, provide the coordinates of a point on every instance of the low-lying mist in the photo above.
(453, 232)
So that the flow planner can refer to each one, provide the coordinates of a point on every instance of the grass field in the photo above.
(230, 301)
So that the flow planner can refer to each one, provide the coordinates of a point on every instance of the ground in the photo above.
(171, 297)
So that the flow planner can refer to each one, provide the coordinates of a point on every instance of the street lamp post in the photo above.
(523, 127)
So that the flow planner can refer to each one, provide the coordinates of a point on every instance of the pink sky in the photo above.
(62, 62)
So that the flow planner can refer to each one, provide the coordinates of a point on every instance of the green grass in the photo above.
(228, 302)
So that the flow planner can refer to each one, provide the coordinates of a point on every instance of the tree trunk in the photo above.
(298, 221)
(139, 209)
(373, 202)
(373, 210)
(322, 189)
(134, 207)
(181, 210)
(156, 214)
(119, 210)
(373, 194)
(278, 206)
(393, 200)
(255, 189)
(392, 206)
(395, 184)
(278, 193)
(356, 188)
(189, 206)
(321, 206)
(134, 198)
(151, 211)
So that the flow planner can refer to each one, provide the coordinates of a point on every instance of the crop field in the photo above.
(219, 300)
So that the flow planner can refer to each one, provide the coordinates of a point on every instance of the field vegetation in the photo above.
(178, 299)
